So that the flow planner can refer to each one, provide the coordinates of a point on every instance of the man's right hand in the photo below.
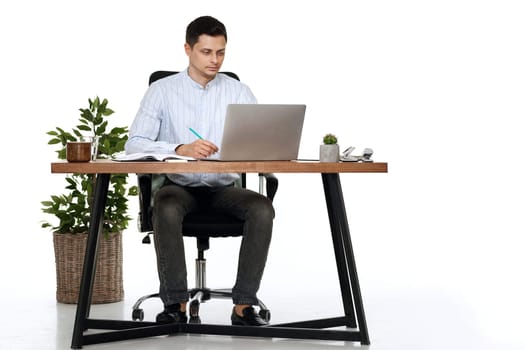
(197, 149)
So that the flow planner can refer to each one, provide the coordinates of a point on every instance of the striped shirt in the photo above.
(176, 103)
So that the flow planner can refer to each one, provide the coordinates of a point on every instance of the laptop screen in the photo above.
(262, 132)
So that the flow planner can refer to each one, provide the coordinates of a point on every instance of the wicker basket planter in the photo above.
(69, 258)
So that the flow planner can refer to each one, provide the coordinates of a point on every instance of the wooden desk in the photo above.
(354, 315)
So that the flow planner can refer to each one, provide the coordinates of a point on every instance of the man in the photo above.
(197, 98)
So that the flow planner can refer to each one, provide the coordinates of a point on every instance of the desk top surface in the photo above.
(113, 167)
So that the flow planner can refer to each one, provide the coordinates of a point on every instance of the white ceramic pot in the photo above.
(329, 153)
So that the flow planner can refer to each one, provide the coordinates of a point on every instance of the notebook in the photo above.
(262, 132)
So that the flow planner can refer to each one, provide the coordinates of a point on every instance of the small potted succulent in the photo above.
(329, 150)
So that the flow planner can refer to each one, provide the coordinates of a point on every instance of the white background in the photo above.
(434, 87)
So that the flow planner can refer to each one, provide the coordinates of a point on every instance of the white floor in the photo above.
(423, 321)
(400, 315)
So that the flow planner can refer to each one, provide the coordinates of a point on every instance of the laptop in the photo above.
(255, 132)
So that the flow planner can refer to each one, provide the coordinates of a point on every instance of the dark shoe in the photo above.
(172, 314)
(249, 318)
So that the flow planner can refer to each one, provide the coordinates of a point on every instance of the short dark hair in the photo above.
(204, 25)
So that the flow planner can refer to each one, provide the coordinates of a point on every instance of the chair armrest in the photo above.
(271, 184)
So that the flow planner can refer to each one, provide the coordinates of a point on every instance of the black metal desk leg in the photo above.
(340, 258)
(344, 253)
(90, 259)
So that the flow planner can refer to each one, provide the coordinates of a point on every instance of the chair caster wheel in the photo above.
(195, 320)
(265, 314)
(137, 315)
(194, 308)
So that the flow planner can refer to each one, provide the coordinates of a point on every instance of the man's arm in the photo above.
(145, 129)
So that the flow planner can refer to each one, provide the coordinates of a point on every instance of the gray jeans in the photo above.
(172, 202)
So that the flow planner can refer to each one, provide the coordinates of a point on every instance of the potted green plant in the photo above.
(71, 210)
(329, 150)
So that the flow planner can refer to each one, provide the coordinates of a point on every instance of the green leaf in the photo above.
(107, 112)
(96, 104)
(84, 127)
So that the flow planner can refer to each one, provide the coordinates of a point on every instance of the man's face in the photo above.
(206, 56)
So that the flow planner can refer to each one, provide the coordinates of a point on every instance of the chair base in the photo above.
(197, 297)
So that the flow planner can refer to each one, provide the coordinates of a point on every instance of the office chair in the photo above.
(202, 226)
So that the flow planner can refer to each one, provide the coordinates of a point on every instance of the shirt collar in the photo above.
(197, 85)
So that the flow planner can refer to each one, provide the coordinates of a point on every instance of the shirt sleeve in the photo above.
(145, 129)
(247, 96)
